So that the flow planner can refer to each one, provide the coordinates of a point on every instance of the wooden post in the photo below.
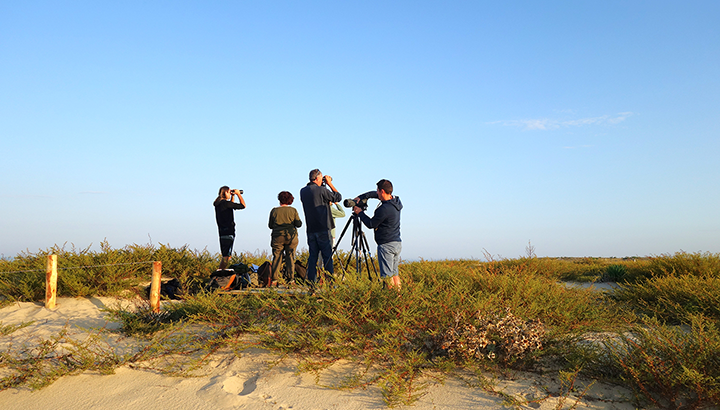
(51, 282)
(155, 287)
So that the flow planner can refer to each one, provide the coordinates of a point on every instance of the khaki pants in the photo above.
(283, 248)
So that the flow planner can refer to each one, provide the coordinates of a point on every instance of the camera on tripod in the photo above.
(362, 204)
(360, 248)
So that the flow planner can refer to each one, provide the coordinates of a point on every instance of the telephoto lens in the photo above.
(362, 204)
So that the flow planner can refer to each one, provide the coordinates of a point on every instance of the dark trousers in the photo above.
(319, 243)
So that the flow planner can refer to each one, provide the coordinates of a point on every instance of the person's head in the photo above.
(224, 193)
(316, 176)
(285, 198)
(385, 185)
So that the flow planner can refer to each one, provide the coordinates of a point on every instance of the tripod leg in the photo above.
(342, 234)
(353, 248)
(366, 252)
(347, 261)
(356, 244)
(339, 263)
(367, 246)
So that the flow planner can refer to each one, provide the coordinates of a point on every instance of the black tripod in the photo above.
(359, 248)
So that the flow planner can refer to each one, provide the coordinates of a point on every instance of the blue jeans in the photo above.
(389, 258)
(319, 242)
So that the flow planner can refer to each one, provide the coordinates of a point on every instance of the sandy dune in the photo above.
(253, 381)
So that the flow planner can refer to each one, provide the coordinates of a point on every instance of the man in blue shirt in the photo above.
(386, 224)
(316, 201)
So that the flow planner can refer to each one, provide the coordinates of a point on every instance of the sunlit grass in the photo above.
(483, 316)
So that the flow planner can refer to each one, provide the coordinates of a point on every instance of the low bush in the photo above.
(668, 366)
(615, 273)
(680, 264)
(108, 272)
(672, 299)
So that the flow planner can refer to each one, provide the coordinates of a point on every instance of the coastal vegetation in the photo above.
(657, 332)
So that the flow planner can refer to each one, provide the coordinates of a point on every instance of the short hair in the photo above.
(314, 174)
(285, 198)
(386, 186)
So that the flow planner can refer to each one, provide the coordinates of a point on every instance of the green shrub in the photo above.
(679, 264)
(669, 367)
(673, 299)
(108, 272)
(615, 273)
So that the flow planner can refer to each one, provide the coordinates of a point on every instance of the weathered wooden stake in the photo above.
(155, 287)
(51, 282)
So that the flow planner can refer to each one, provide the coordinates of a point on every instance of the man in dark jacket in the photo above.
(318, 219)
(386, 224)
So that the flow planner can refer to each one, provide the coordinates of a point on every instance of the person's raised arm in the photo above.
(367, 195)
(240, 198)
(337, 211)
(335, 196)
(328, 181)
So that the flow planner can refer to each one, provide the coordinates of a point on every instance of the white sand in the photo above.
(247, 382)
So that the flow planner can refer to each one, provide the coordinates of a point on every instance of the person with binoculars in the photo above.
(316, 201)
(224, 207)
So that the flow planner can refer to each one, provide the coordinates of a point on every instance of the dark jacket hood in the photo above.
(395, 201)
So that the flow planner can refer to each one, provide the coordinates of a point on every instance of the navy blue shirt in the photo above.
(386, 220)
(316, 200)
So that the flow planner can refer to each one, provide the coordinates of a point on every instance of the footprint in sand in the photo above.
(235, 385)
(249, 386)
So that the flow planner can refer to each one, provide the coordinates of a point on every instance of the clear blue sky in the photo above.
(586, 128)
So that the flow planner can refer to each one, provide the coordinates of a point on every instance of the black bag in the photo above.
(265, 274)
(228, 279)
(300, 271)
(239, 268)
(169, 288)
(222, 279)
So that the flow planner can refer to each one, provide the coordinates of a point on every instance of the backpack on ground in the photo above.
(300, 272)
(170, 289)
(265, 274)
(228, 279)
(243, 274)
(222, 279)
